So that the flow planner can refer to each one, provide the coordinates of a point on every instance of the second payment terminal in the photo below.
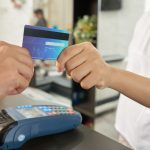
(22, 123)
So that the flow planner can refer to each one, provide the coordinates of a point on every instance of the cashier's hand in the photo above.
(85, 65)
(16, 69)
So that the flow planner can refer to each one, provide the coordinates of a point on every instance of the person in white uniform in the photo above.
(133, 119)
(86, 66)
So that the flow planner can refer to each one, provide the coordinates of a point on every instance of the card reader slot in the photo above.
(2, 119)
(5, 115)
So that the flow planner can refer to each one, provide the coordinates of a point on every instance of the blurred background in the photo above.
(108, 24)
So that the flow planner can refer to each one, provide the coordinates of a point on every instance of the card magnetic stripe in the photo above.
(46, 34)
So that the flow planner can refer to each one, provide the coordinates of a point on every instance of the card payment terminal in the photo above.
(22, 123)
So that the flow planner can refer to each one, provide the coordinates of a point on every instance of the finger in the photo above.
(89, 81)
(15, 49)
(2, 43)
(20, 49)
(75, 62)
(25, 71)
(57, 66)
(25, 60)
(14, 92)
(80, 72)
(22, 84)
(22, 55)
(67, 54)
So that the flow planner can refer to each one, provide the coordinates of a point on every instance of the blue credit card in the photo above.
(45, 43)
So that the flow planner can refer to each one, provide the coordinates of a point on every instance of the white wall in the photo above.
(116, 27)
(147, 5)
(12, 21)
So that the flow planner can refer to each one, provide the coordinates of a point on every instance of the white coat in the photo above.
(133, 119)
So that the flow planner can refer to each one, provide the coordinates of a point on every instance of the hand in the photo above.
(16, 69)
(85, 65)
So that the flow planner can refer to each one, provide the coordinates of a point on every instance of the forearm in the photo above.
(133, 86)
(86, 66)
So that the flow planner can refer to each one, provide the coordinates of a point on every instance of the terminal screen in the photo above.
(31, 113)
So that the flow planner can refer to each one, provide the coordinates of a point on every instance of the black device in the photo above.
(22, 123)
(107, 5)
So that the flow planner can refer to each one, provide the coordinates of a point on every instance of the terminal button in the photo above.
(21, 137)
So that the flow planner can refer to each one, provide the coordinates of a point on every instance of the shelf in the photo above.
(107, 100)
(84, 112)
(113, 58)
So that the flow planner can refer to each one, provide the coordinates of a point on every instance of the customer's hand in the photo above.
(16, 69)
(85, 65)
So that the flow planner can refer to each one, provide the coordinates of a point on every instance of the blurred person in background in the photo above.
(133, 119)
(41, 21)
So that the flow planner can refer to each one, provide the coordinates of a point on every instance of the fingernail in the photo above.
(58, 69)
(57, 66)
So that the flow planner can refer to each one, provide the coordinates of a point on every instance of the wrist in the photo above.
(108, 75)
(113, 76)
(105, 75)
